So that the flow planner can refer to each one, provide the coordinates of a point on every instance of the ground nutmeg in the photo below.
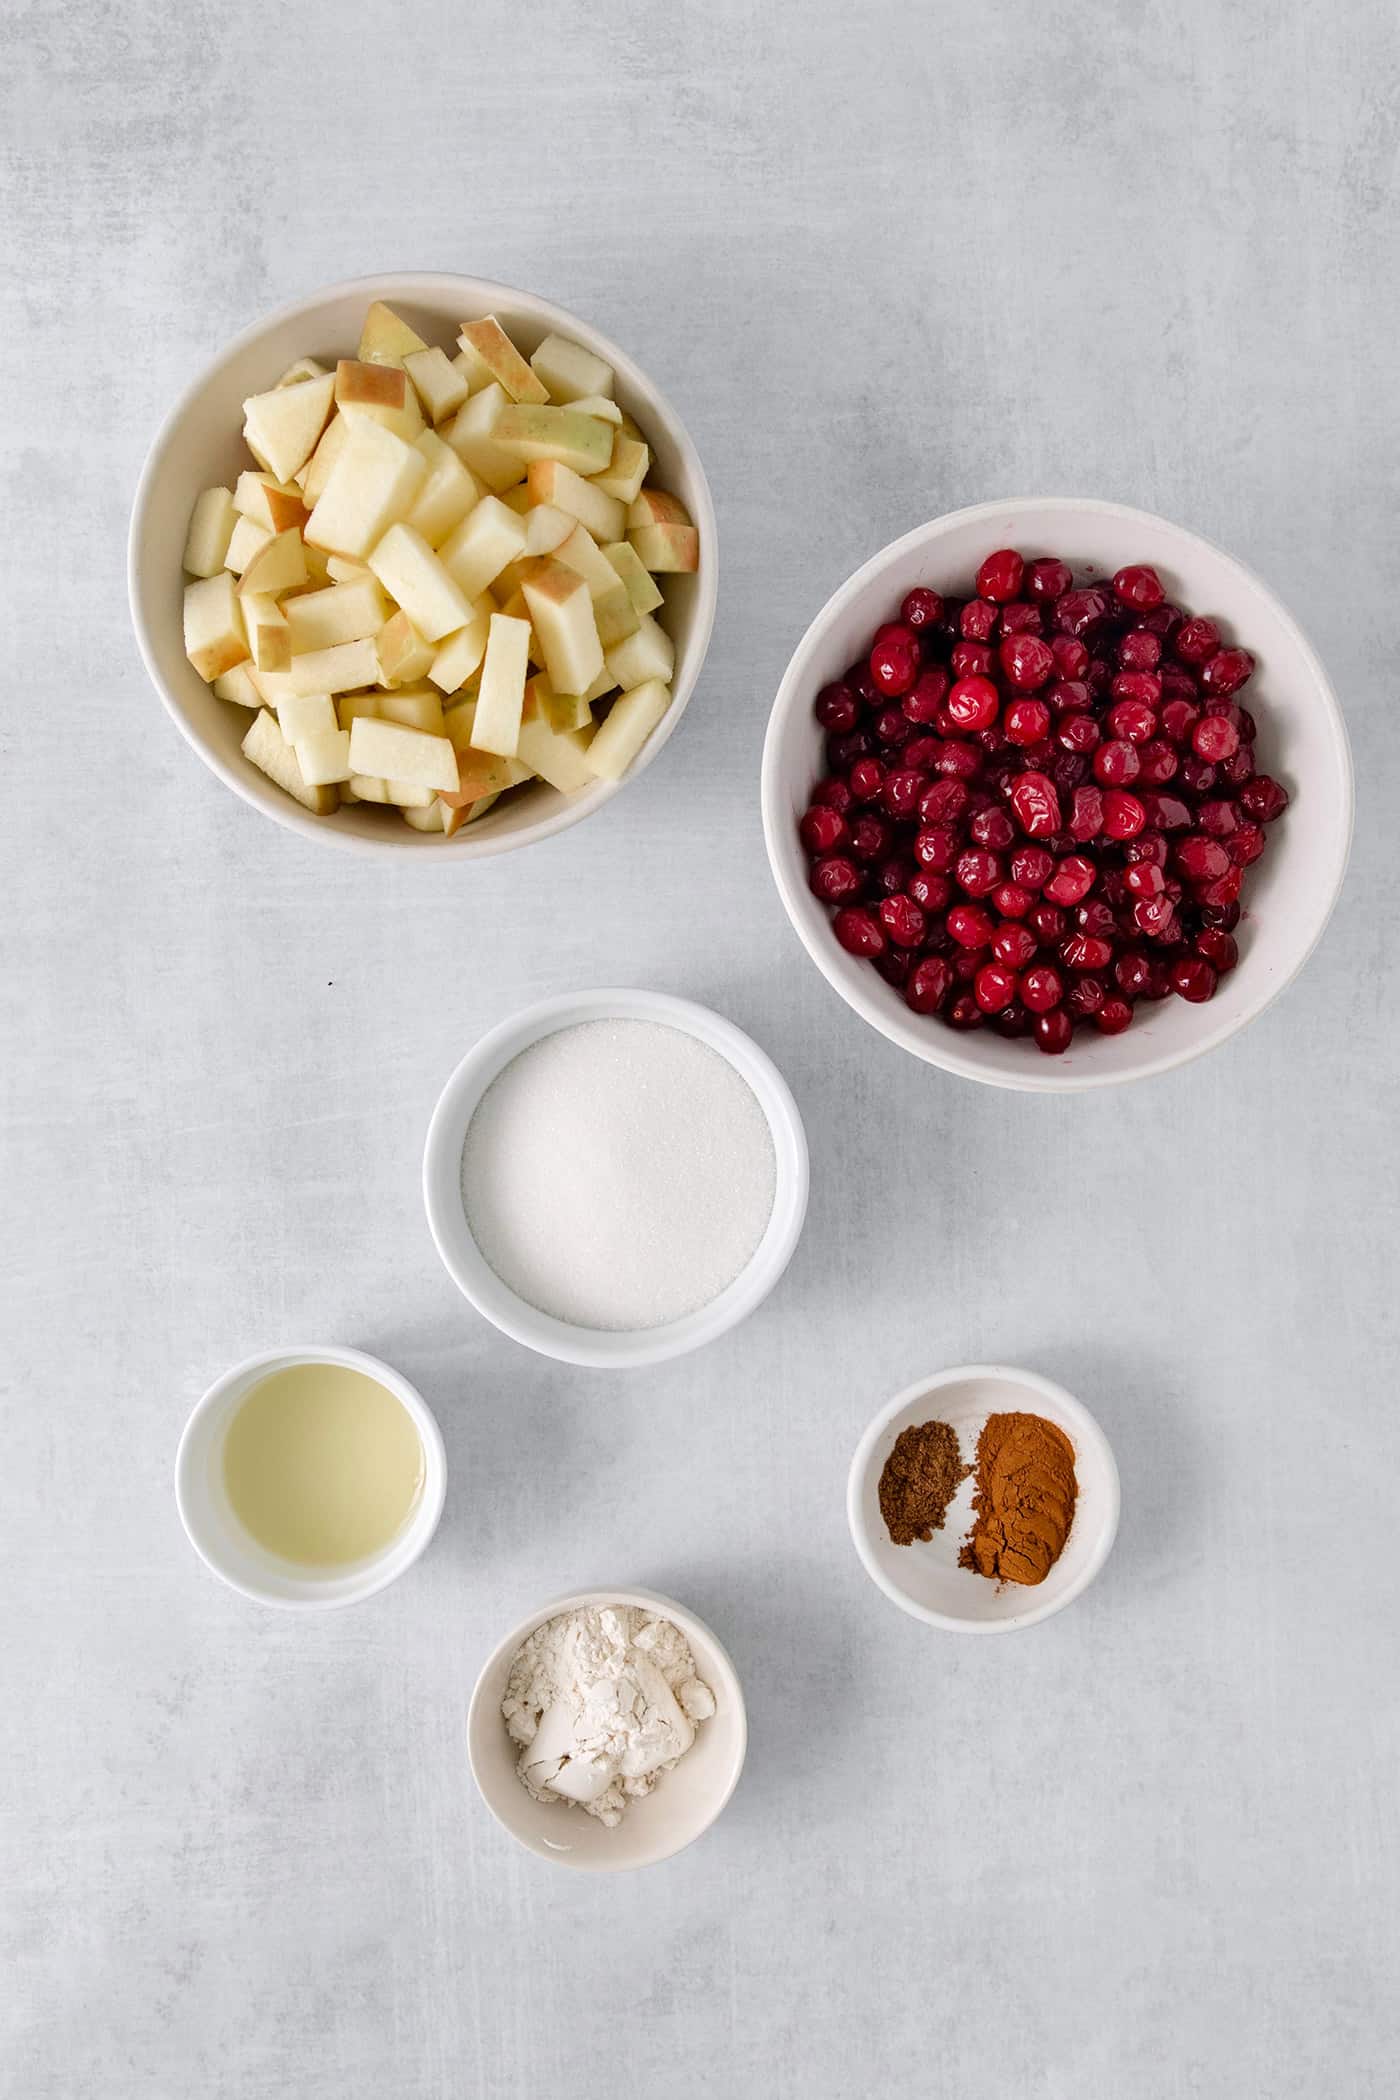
(921, 1476)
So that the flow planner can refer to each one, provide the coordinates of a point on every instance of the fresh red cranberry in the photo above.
(1020, 619)
(1166, 812)
(1149, 845)
(1161, 620)
(894, 965)
(858, 933)
(833, 794)
(1036, 805)
(1138, 586)
(1225, 890)
(1072, 880)
(1139, 650)
(1193, 978)
(894, 874)
(1226, 671)
(843, 751)
(1083, 951)
(1026, 722)
(1217, 819)
(1157, 762)
(1197, 774)
(1013, 1021)
(972, 660)
(1214, 738)
(1245, 845)
(892, 728)
(964, 1012)
(835, 878)
(1026, 662)
(1086, 814)
(1048, 579)
(1084, 997)
(1219, 948)
(930, 982)
(1159, 979)
(1123, 815)
(921, 608)
(1077, 732)
(1226, 917)
(1241, 767)
(1000, 575)
(1099, 676)
(994, 987)
(1199, 858)
(930, 891)
(1116, 763)
(1013, 944)
(903, 921)
(1144, 879)
(823, 829)
(1179, 718)
(992, 827)
(944, 803)
(894, 659)
(977, 620)
(1047, 923)
(958, 761)
(1113, 1016)
(1130, 717)
(902, 791)
(1095, 917)
(978, 871)
(1131, 972)
(1042, 988)
(974, 703)
(927, 695)
(1263, 798)
(837, 708)
(920, 754)
(936, 847)
(1032, 867)
(1011, 900)
(861, 683)
(1196, 641)
(871, 838)
(1080, 612)
(867, 778)
(966, 962)
(970, 926)
(1053, 1032)
(1154, 915)
(1071, 656)
(1143, 689)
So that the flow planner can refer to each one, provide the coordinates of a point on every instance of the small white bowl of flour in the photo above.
(607, 1730)
(614, 1178)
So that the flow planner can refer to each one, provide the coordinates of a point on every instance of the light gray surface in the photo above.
(887, 262)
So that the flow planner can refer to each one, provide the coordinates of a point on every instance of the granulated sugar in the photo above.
(618, 1174)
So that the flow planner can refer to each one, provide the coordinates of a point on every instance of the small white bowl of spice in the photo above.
(607, 1730)
(614, 1178)
(983, 1499)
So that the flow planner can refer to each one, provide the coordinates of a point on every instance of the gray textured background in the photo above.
(886, 263)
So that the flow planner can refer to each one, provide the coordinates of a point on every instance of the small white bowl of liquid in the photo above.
(310, 1478)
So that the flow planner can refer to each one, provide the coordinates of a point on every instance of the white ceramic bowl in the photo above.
(221, 1541)
(597, 1347)
(200, 444)
(925, 1579)
(1302, 739)
(683, 1803)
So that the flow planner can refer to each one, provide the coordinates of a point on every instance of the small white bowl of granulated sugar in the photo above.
(616, 1177)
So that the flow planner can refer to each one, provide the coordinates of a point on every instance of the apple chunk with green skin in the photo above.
(635, 576)
(419, 584)
(270, 752)
(391, 751)
(283, 428)
(215, 638)
(630, 722)
(211, 528)
(580, 442)
(488, 342)
(375, 481)
(561, 613)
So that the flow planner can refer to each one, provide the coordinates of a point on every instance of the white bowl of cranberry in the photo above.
(1056, 794)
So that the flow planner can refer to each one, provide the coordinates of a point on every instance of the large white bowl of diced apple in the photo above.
(424, 562)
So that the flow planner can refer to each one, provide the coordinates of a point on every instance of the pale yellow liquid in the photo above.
(322, 1465)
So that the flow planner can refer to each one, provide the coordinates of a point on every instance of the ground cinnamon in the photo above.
(1024, 1499)
(921, 1476)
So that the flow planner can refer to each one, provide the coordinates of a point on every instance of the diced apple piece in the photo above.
(303, 715)
(214, 635)
(324, 758)
(318, 572)
(450, 491)
(304, 368)
(501, 695)
(519, 499)
(667, 549)
(275, 504)
(489, 537)
(440, 387)
(237, 685)
(562, 711)
(417, 707)
(317, 472)
(454, 819)
(596, 405)
(389, 751)
(385, 339)
(247, 538)
(471, 434)
(656, 507)
(374, 481)
(515, 608)
(626, 470)
(419, 583)
(481, 773)
(458, 721)
(279, 565)
(461, 653)
(580, 442)
(558, 485)
(561, 613)
(282, 428)
(364, 788)
(349, 705)
(274, 687)
(488, 341)
(429, 819)
(474, 375)
(340, 569)
(348, 797)
(635, 575)
(560, 759)
(402, 653)
(602, 685)
(581, 551)
(269, 636)
(406, 794)
(267, 749)
(340, 669)
(631, 720)
(211, 528)
(346, 612)
(378, 394)
(569, 371)
(547, 528)
(648, 654)
(615, 617)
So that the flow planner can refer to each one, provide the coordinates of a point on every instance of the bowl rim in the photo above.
(411, 285)
(647, 1600)
(401, 1552)
(605, 1348)
(1042, 1075)
(1047, 1391)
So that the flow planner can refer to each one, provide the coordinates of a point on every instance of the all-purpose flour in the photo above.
(618, 1174)
(602, 1702)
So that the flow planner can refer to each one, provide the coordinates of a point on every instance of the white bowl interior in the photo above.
(221, 1540)
(1289, 894)
(679, 1808)
(468, 1267)
(202, 445)
(925, 1579)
